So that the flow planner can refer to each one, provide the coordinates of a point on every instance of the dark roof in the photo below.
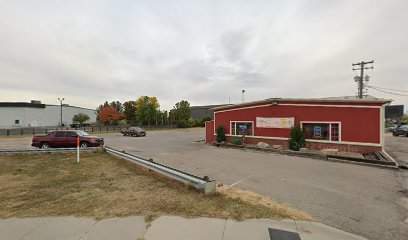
(22, 104)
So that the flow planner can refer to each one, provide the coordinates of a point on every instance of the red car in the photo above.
(133, 131)
(66, 139)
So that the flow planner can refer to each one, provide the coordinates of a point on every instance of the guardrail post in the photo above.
(150, 160)
(210, 188)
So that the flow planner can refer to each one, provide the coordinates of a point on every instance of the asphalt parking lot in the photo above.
(397, 147)
(360, 199)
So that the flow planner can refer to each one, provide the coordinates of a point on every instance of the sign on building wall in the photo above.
(275, 122)
(317, 131)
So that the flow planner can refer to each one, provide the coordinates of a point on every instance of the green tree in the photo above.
(80, 118)
(161, 117)
(182, 113)
(165, 117)
(147, 109)
(130, 111)
(297, 139)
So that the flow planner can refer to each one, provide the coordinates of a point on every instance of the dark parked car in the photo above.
(77, 125)
(66, 139)
(401, 130)
(133, 131)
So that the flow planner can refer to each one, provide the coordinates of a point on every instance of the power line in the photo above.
(389, 89)
(404, 95)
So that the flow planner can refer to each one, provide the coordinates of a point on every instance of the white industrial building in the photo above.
(36, 114)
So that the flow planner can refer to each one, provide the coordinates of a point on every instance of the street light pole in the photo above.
(243, 91)
(61, 100)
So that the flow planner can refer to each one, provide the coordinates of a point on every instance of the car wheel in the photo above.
(84, 145)
(44, 145)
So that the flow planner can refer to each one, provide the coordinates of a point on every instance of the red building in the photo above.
(347, 123)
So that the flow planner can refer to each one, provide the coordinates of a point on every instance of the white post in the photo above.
(77, 149)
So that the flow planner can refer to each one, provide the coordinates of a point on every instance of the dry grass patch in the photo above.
(101, 186)
(256, 199)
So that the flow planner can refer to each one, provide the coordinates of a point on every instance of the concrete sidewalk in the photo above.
(170, 228)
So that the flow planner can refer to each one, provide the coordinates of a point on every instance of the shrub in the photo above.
(220, 134)
(204, 119)
(236, 140)
(297, 139)
(122, 122)
(192, 122)
(404, 119)
(182, 124)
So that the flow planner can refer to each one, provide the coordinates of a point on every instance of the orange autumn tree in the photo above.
(108, 115)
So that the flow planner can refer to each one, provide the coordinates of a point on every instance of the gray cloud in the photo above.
(206, 53)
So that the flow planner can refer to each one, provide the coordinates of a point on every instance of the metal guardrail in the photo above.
(48, 150)
(207, 186)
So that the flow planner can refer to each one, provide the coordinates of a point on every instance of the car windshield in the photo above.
(82, 133)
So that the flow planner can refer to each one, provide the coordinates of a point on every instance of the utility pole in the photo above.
(61, 100)
(361, 66)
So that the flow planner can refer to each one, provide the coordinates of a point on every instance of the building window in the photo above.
(334, 131)
(322, 131)
(16, 121)
(242, 128)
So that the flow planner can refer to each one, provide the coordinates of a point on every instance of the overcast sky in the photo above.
(204, 52)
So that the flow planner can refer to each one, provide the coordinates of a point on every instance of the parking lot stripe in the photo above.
(240, 180)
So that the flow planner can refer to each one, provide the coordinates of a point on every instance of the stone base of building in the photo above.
(284, 144)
